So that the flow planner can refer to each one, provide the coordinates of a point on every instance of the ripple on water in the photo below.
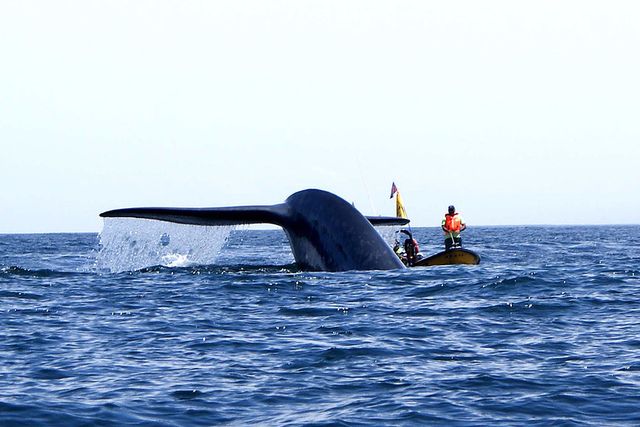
(531, 335)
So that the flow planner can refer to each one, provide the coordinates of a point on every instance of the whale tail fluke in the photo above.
(325, 232)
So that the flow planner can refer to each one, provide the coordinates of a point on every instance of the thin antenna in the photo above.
(366, 187)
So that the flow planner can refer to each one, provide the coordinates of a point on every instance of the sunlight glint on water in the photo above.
(128, 244)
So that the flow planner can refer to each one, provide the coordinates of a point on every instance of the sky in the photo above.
(517, 112)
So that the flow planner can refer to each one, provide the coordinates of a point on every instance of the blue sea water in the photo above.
(545, 331)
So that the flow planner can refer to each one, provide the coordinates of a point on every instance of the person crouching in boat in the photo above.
(411, 252)
(452, 225)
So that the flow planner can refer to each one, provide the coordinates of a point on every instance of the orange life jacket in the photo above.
(452, 222)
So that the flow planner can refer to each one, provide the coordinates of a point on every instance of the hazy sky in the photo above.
(518, 112)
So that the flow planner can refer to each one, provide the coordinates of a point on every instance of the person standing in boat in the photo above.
(452, 225)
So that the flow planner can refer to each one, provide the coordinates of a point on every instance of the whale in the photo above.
(325, 232)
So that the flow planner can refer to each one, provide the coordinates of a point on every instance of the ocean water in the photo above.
(186, 328)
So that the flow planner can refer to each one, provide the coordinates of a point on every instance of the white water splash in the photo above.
(129, 244)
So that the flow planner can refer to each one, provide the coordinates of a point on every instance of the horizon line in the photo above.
(257, 227)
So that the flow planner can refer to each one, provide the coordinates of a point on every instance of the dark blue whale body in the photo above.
(325, 232)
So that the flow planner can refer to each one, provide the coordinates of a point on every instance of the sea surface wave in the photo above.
(222, 328)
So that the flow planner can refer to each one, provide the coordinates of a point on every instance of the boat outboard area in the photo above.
(409, 253)
(407, 249)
